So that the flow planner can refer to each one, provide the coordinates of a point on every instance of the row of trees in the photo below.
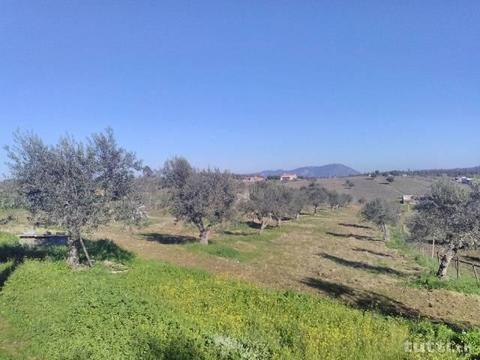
(78, 186)
(275, 201)
(205, 198)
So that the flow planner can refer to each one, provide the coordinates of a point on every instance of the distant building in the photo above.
(253, 179)
(288, 177)
(409, 199)
(463, 180)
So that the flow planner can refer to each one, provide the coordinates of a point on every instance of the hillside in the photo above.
(150, 310)
(325, 171)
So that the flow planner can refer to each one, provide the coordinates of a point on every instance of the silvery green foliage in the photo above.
(380, 212)
(9, 198)
(175, 172)
(299, 199)
(316, 194)
(336, 199)
(449, 216)
(271, 199)
(73, 185)
(205, 198)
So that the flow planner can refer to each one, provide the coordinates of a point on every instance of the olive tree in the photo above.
(337, 200)
(349, 183)
(449, 216)
(206, 198)
(175, 172)
(261, 202)
(316, 195)
(75, 186)
(381, 213)
(283, 199)
(270, 200)
(298, 201)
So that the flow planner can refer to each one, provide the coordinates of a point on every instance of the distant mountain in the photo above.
(330, 170)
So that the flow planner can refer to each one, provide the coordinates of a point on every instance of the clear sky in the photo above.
(249, 85)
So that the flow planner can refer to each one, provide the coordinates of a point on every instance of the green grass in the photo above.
(466, 283)
(398, 242)
(159, 311)
(217, 249)
(240, 242)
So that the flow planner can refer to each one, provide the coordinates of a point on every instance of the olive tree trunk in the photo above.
(386, 232)
(279, 221)
(315, 207)
(263, 225)
(445, 261)
(73, 259)
(204, 233)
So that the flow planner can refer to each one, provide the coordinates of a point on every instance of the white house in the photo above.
(288, 177)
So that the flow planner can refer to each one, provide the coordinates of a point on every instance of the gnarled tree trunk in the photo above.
(279, 221)
(204, 233)
(445, 261)
(263, 225)
(73, 259)
(315, 207)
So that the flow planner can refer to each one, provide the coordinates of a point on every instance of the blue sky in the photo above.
(249, 85)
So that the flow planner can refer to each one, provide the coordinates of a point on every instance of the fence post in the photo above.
(475, 273)
(458, 267)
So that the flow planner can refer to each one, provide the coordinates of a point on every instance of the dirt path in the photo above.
(330, 254)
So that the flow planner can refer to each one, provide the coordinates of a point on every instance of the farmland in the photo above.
(371, 188)
(327, 281)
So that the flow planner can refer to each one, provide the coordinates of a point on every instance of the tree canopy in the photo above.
(381, 213)
(449, 216)
(73, 185)
(205, 198)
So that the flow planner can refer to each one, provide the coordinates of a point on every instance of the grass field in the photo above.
(369, 189)
(154, 310)
(323, 286)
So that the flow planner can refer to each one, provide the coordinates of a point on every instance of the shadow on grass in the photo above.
(168, 239)
(253, 225)
(105, 249)
(355, 236)
(15, 254)
(369, 300)
(363, 299)
(372, 252)
(238, 233)
(357, 226)
(256, 226)
(7, 271)
(361, 265)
